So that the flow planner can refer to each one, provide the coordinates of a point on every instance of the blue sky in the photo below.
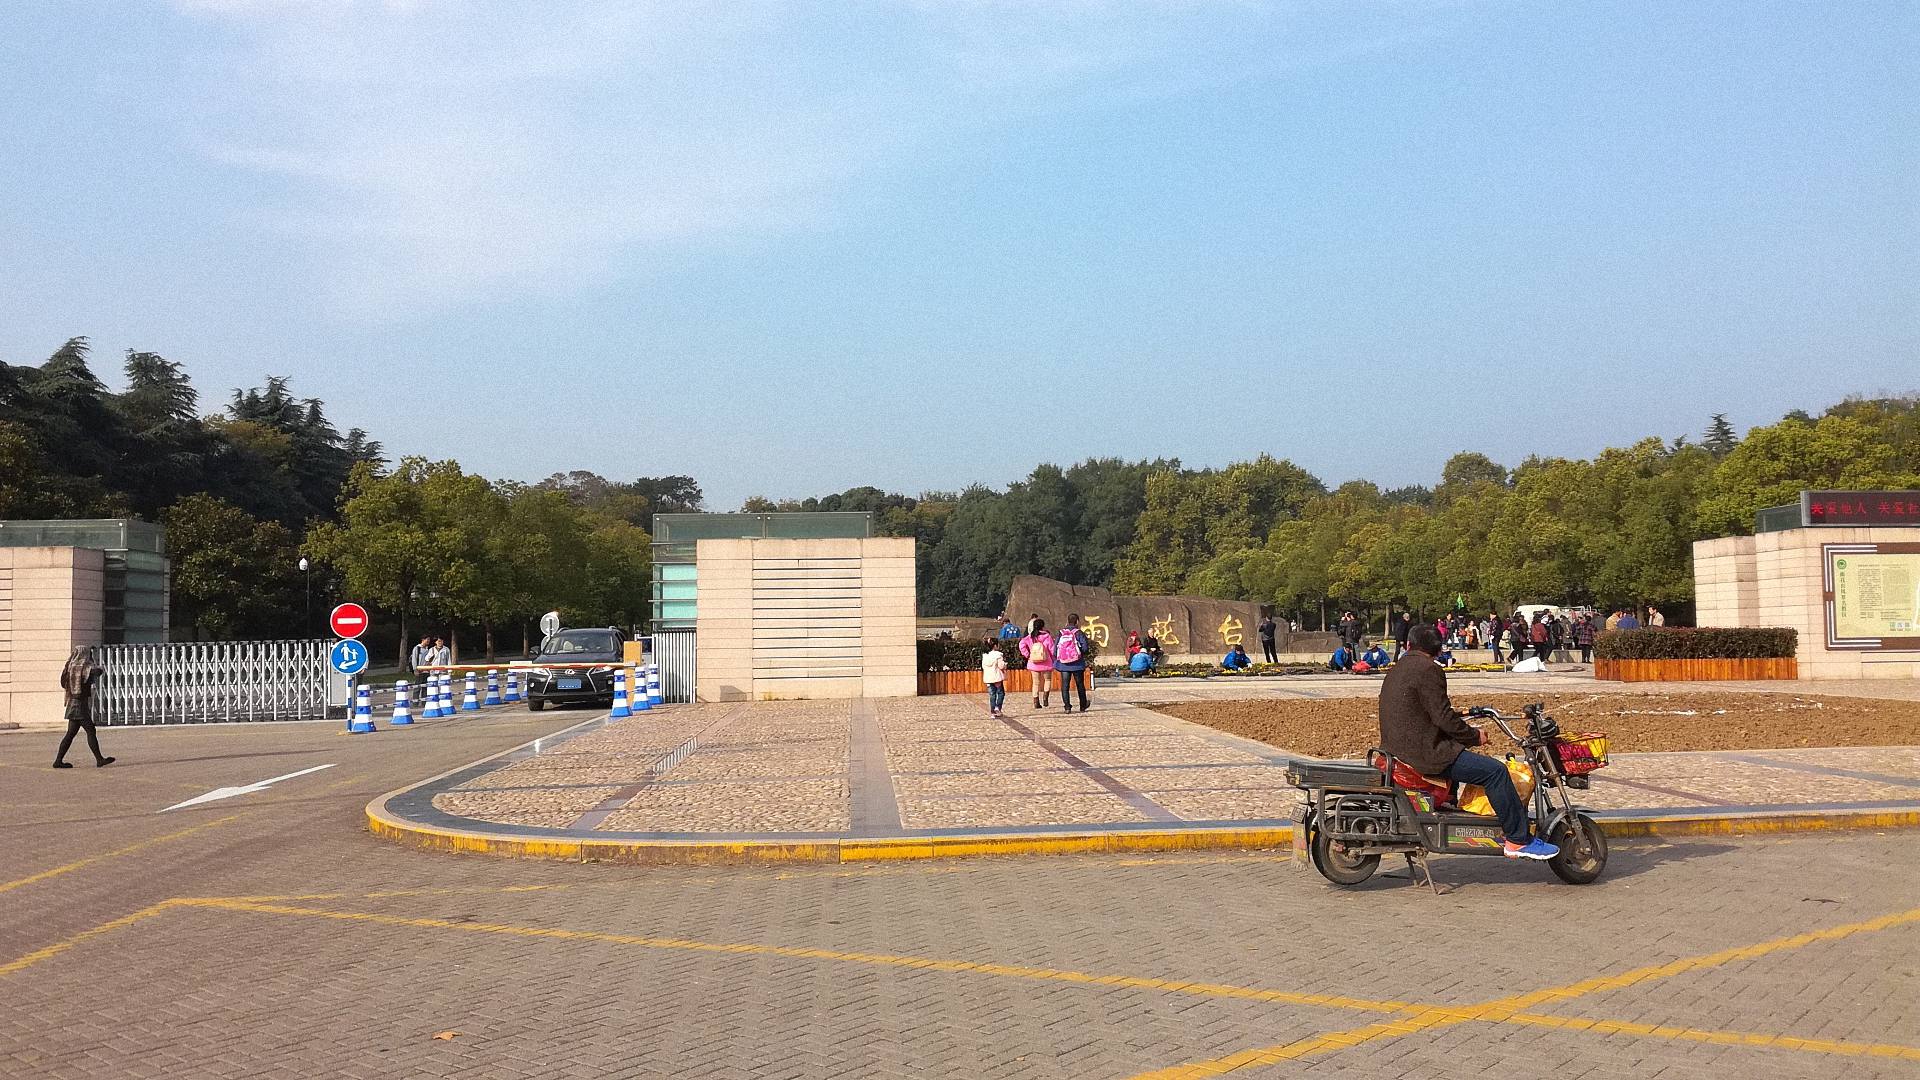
(790, 248)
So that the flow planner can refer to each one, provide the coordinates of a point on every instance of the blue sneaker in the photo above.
(1535, 848)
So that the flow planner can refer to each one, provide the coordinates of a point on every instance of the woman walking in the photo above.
(77, 679)
(1037, 647)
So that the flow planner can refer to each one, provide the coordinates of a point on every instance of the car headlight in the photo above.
(538, 673)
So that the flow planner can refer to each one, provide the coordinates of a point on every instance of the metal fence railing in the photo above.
(673, 651)
(204, 682)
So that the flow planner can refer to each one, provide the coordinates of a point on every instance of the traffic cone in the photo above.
(654, 693)
(620, 707)
(470, 699)
(362, 710)
(402, 707)
(445, 708)
(513, 686)
(640, 701)
(493, 686)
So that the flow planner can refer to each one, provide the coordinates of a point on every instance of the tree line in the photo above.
(246, 491)
(1615, 530)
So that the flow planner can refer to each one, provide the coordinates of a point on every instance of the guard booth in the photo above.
(783, 606)
(68, 584)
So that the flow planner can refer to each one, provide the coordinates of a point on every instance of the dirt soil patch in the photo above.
(1347, 727)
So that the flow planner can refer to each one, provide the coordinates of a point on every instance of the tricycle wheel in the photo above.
(1583, 850)
(1341, 867)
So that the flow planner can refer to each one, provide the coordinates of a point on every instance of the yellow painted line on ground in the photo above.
(78, 864)
(381, 894)
(64, 944)
(1018, 971)
(1504, 1010)
(1844, 1047)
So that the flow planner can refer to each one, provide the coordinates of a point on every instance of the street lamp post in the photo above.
(306, 627)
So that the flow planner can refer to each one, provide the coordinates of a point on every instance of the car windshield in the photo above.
(581, 643)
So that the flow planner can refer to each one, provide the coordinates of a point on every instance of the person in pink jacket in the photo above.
(1037, 647)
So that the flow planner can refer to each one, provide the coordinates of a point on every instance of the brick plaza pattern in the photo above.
(941, 765)
(270, 936)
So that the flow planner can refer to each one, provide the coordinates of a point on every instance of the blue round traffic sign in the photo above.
(348, 657)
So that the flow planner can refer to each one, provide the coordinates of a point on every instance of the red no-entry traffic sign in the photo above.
(348, 620)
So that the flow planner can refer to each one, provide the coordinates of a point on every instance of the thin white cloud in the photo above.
(437, 152)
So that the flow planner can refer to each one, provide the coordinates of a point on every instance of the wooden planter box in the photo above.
(1696, 670)
(933, 683)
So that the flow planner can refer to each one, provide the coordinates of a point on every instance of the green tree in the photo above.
(1720, 438)
(615, 584)
(233, 575)
(1772, 465)
(401, 539)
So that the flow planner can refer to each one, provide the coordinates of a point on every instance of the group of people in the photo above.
(431, 652)
(1068, 653)
(1349, 658)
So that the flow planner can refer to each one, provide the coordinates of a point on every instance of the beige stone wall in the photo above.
(51, 600)
(1783, 587)
(1724, 582)
(784, 619)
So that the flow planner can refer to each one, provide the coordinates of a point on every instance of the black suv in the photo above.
(550, 683)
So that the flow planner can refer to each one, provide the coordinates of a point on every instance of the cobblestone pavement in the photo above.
(268, 935)
(919, 766)
(1463, 684)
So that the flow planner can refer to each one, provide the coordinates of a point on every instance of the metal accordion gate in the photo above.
(673, 651)
(210, 682)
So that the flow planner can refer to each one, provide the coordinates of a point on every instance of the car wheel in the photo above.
(535, 704)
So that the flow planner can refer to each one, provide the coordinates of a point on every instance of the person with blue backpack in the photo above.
(1071, 651)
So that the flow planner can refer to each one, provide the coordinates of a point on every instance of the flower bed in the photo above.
(1690, 654)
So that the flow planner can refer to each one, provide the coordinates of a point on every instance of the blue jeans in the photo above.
(1472, 768)
(996, 695)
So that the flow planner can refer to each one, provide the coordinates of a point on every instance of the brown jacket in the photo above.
(1417, 722)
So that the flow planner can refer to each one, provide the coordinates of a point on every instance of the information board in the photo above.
(1873, 596)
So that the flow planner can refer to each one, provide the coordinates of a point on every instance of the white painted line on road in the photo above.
(229, 792)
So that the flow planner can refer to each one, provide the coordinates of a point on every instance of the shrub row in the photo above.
(954, 654)
(1697, 643)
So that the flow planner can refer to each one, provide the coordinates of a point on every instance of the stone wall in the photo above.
(1779, 579)
(52, 599)
(786, 619)
(1190, 628)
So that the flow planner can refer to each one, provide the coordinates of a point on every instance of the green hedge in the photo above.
(953, 654)
(1697, 643)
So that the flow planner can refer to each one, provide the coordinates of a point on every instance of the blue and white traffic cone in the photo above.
(640, 700)
(429, 696)
(402, 706)
(446, 695)
(513, 686)
(620, 706)
(470, 699)
(493, 686)
(654, 694)
(362, 710)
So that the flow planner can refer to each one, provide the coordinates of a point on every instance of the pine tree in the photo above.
(1720, 438)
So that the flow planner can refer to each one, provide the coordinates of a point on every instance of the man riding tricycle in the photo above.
(1424, 791)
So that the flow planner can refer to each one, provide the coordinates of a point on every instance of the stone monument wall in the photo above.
(1190, 628)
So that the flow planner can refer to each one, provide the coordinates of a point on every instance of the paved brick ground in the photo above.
(919, 765)
(346, 955)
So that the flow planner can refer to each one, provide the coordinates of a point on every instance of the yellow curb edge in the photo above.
(888, 849)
